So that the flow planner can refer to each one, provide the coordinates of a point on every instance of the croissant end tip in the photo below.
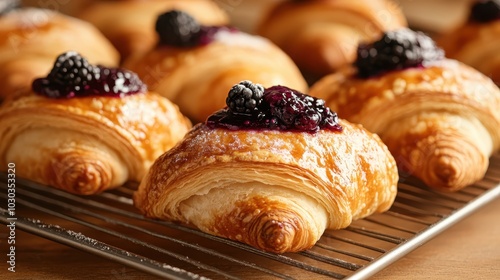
(78, 176)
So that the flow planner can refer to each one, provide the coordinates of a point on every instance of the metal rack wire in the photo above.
(109, 226)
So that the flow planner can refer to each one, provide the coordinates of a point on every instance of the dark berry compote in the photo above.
(396, 50)
(179, 29)
(484, 11)
(73, 76)
(251, 107)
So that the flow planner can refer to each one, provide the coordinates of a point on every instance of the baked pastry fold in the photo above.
(86, 145)
(440, 122)
(32, 38)
(276, 191)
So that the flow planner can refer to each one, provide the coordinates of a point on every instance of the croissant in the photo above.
(440, 118)
(476, 41)
(83, 142)
(322, 35)
(276, 190)
(198, 76)
(129, 25)
(32, 38)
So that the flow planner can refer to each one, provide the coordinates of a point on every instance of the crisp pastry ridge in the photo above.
(322, 36)
(30, 40)
(440, 121)
(277, 191)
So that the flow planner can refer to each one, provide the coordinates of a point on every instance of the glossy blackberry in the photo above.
(71, 69)
(485, 11)
(396, 50)
(244, 98)
(177, 28)
(281, 108)
(73, 76)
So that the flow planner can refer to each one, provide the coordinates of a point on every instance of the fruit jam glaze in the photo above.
(396, 50)
(251, 107)
(179, 29)
(73, 76)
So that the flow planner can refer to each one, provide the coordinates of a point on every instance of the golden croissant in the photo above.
(87, 140)
(197, 74)
(322, 35)
(439, 118)
(32, 38)
(273, 181)
(476, 41)
(129, 25)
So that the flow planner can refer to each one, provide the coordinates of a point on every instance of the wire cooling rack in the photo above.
(109, 226)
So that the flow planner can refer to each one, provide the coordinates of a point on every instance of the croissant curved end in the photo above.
(446, 171)
(278, 236)
(75, 174)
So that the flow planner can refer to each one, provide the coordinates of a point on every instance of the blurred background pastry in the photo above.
(129, 24)
(32, 38)
(476, 41)
(194, 65)
(322, 35)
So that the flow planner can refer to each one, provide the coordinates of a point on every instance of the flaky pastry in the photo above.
(248, 177)
(441, 122)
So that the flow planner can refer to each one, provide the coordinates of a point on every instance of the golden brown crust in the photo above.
(277, 191)
(31, 39)
(477, 45)
(88, 144)
(129, 25)
(440, 122)
(198, 79)
(322, 35)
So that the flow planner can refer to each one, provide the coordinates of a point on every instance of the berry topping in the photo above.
(396, 50)
(485, 10)
(71, 69)
(277, 108)
(179, 29)
(73, 76)
(244, 97)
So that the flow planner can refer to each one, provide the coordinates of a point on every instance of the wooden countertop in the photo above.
(467, 250)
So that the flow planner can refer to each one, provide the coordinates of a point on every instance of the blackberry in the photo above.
(280, 108)
(244, 98)
(485, 11)
(177, 28)
(396, 50)
(73, 76)
(71, 69)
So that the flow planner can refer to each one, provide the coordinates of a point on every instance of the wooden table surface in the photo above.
(468, 250)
